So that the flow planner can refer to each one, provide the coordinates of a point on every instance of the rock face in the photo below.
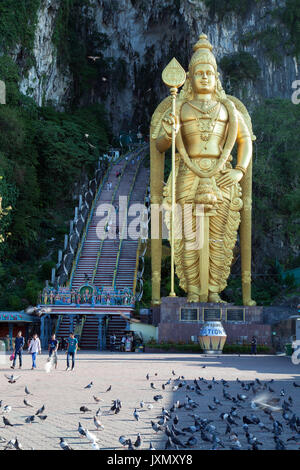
(145, 35)
(45, 82)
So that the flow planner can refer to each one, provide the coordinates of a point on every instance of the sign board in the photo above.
(212, 314)
(235, 314)
(189, 314)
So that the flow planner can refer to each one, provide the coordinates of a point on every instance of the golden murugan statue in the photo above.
(208, 124)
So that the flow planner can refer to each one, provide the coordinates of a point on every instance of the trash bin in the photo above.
(212, 337)
(288, 349)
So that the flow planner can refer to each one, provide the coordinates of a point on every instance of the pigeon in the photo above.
(98, 413)
(89, 385)
(30, 419)
(191, 442)
(157, 397)
(130, 446)
(212, 407)
(150, 406)
(152, 386)
(42, 417)
(98, 424)
(151, 447)
(12, 378)
(109, 389)
(81, 430)
(18, 445)
(26, 403)
(40, 411)
(91, 437)
(175, 420)
(123, 441)
(97, 399)
(7, 409)
(176, 431)
(170, 444)
(136, 414)
(27, 391)
(148, 376)
(156, 427)
(6, 422)
(138, 441)
(142, 404)
(64, 445)
(84, 409)
(173, 372)
(295, 384)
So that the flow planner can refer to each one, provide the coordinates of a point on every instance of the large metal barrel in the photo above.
(212, 337)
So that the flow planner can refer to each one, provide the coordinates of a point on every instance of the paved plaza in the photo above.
(63, 394)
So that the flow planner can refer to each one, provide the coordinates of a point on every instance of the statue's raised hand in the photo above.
(169, 122)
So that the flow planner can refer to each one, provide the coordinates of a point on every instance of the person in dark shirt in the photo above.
(19, 344)
(53, 347)
(253, 345)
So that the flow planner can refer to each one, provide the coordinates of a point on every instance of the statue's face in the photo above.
(203, 79)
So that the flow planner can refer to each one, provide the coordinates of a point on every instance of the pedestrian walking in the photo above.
(112, 342)
(71, 351)
(53, 347)
(19, 345)
(253, 345)
(34, 349)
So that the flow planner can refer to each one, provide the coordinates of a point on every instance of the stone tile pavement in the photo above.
(63, 394)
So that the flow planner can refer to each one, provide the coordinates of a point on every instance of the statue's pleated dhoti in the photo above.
(223, 222)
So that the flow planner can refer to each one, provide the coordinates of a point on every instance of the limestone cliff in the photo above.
(143, 35)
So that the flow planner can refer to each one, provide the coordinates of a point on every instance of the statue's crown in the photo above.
(202, 53)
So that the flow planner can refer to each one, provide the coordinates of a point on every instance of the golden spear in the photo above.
(174, 77)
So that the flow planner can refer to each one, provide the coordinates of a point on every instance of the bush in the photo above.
(195, 347)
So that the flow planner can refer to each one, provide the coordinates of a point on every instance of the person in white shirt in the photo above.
(34, 348)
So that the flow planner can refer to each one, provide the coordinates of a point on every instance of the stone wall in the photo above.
(170, 327)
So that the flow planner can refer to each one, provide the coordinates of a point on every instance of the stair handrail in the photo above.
(138, 253)
(57, 324)
(123, 230)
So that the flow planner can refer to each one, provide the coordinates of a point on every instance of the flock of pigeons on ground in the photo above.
(240, 413)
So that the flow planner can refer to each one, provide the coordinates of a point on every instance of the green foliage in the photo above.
(270, 40)
(195, 348)
(290, 17)
(240, 65)
(43, 153)
(17, 25)
(9, 73)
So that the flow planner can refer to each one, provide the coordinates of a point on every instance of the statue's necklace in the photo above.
(207, 123)
(205, 109)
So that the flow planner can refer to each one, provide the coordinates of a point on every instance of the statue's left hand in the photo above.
(230, 177)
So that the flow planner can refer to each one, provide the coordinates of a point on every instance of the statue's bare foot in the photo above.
(193, 298)
(213, 297)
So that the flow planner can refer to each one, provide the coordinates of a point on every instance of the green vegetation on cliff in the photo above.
(43, 153)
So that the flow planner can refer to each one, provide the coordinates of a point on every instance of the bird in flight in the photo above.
(93, 57)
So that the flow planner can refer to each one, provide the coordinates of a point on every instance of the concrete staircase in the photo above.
(86, 263)
(89, 335)
(64, 329)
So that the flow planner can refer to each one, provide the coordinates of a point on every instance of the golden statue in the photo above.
(207, 123)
